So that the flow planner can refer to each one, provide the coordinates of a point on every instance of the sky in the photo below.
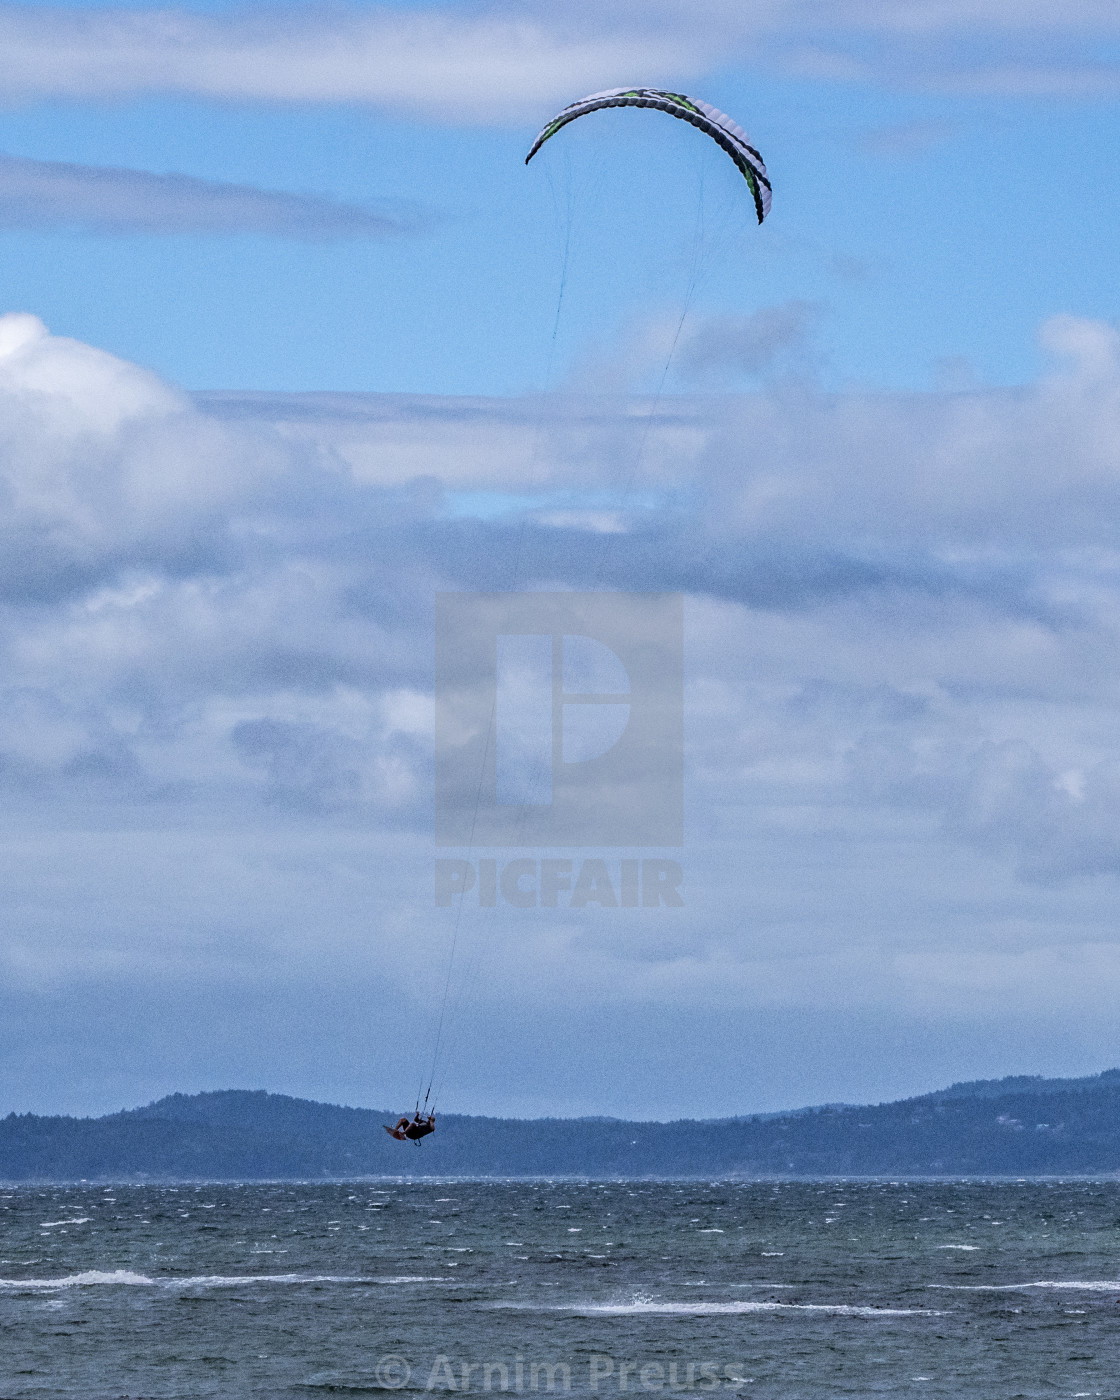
(293, 340)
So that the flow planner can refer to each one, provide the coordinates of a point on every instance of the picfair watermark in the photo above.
(527, 883)
(559, 720)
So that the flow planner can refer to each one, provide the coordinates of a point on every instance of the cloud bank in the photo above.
(43, 194)
(509, 62)
(440, 62)
(903, 755)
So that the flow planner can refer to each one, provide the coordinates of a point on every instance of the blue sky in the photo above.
(929, 225)
(282, 357)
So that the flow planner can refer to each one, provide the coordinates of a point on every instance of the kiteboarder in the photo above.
(412, 1129)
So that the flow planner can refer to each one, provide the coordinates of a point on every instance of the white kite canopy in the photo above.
(714, 123)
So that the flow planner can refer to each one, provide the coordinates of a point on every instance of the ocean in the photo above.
(791, 1290)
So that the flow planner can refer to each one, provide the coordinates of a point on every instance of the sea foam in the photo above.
(738, 1306)
(126, 1278)
(1094, 1286)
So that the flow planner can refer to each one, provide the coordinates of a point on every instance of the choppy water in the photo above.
(794, 1290)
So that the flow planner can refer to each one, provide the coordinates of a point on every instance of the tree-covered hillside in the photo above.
(1018, 1127)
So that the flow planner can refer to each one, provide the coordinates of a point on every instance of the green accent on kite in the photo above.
(684, 102)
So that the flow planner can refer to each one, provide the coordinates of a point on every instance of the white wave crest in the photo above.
(125, 1277)
(738, 1306)
(82, 1280)
(1094, 1286)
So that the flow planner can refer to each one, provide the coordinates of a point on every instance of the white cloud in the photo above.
(443, 63)
(102, 465)
(99, 199)
(731, 346)
(513, 62)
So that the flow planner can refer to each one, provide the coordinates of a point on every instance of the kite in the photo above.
(707, 119)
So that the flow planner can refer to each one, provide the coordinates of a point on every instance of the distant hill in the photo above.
(1020, 1126)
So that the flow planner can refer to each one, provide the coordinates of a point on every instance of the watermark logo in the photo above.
(526, 883)
(559, 719)
(598, 1374)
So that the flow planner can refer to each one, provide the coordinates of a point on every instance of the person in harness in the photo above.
(412, 1129)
